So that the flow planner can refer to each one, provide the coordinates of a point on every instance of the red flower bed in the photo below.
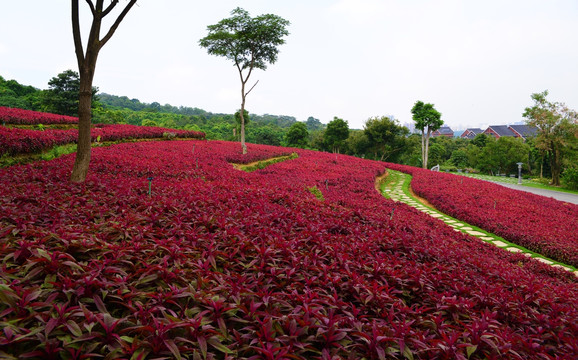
(29, 117)
(23, 141)
(256, 153)
(541, 224)
(222, 264)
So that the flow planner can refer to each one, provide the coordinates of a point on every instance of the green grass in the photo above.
(315, 191)
(263, 164)
(56, 152)
(525, 182)
(393, 178)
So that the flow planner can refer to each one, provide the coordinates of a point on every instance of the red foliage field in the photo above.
(29, 117)
(544, 225)
(23, 141)
(218, 263)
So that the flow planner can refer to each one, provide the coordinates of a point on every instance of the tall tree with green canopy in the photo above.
(251, 43)
(557, 127)
(297, 135)
(87, 66)
(386, 137)
(427, 119)
(336, 133)
(62, 94)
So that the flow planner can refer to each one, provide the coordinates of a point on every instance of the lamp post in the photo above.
(520, 173)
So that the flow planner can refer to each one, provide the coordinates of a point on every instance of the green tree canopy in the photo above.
(501, 155)
(427, 120)
(386, 136)
(314, 124)
(62, 94)
(336, 133)
(251, 43)
(297, 135)
(557, 128)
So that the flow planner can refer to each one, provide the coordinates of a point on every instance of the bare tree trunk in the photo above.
(426, 155)
(242, 114)
(423, 156)
(86, 66)
(82, 161)
(556, 166)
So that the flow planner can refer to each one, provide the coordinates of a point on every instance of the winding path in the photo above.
(397, 189)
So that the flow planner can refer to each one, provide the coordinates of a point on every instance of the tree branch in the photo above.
(252, 88)
(76, 33)
(91, 5)
(117, 22)
(109, 8)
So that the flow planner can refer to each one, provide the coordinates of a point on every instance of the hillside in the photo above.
(264, 129)
(169, 251)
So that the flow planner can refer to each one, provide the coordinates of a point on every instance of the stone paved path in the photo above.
(395, 190)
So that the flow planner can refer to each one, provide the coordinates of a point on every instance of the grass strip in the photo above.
(406, 188)
(258, 165)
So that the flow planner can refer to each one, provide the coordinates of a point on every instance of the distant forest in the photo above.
(263, 129)
(382, 138)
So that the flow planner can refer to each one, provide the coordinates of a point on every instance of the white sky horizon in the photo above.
(477, 62)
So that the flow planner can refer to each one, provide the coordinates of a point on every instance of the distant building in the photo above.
(524, 131)
(471, 133)
(443, 131)
(517, 131)
(499, 131)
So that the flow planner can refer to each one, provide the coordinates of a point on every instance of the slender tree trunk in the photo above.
(556, 165)
(423, 156)
(242, 114)
(426, 155)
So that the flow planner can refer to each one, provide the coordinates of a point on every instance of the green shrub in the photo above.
(570, 177)
(169, 135)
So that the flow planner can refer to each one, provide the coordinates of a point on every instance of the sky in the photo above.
(478, 62)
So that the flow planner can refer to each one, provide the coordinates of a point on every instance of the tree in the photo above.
(297, 135)
(87, 66)
(268, 135)
(460, 158)
(386, 136)
(427, 119)
(240, 120)
(313, 124)
(557, 127)
(502, 155)
(62, 94)
(357, 144)
(481, 140)
(336, 133)
(251, 43)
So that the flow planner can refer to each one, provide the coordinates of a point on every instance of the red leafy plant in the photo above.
(29, 117)
(544, 225)
(222, 264)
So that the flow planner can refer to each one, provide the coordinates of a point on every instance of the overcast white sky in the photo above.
(478, 62)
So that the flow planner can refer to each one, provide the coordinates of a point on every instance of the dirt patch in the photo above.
(378, 181)
(421, 200)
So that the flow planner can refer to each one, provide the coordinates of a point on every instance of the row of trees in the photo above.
(551, 154)
(61, 97)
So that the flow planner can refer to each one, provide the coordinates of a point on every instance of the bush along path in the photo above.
(396, 187)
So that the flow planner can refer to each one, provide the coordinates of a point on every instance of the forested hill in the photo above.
(123, 102)
(264, 129)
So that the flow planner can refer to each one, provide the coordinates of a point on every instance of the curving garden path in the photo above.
(397, 188)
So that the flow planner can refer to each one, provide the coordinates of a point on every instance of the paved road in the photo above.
(558, 195)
